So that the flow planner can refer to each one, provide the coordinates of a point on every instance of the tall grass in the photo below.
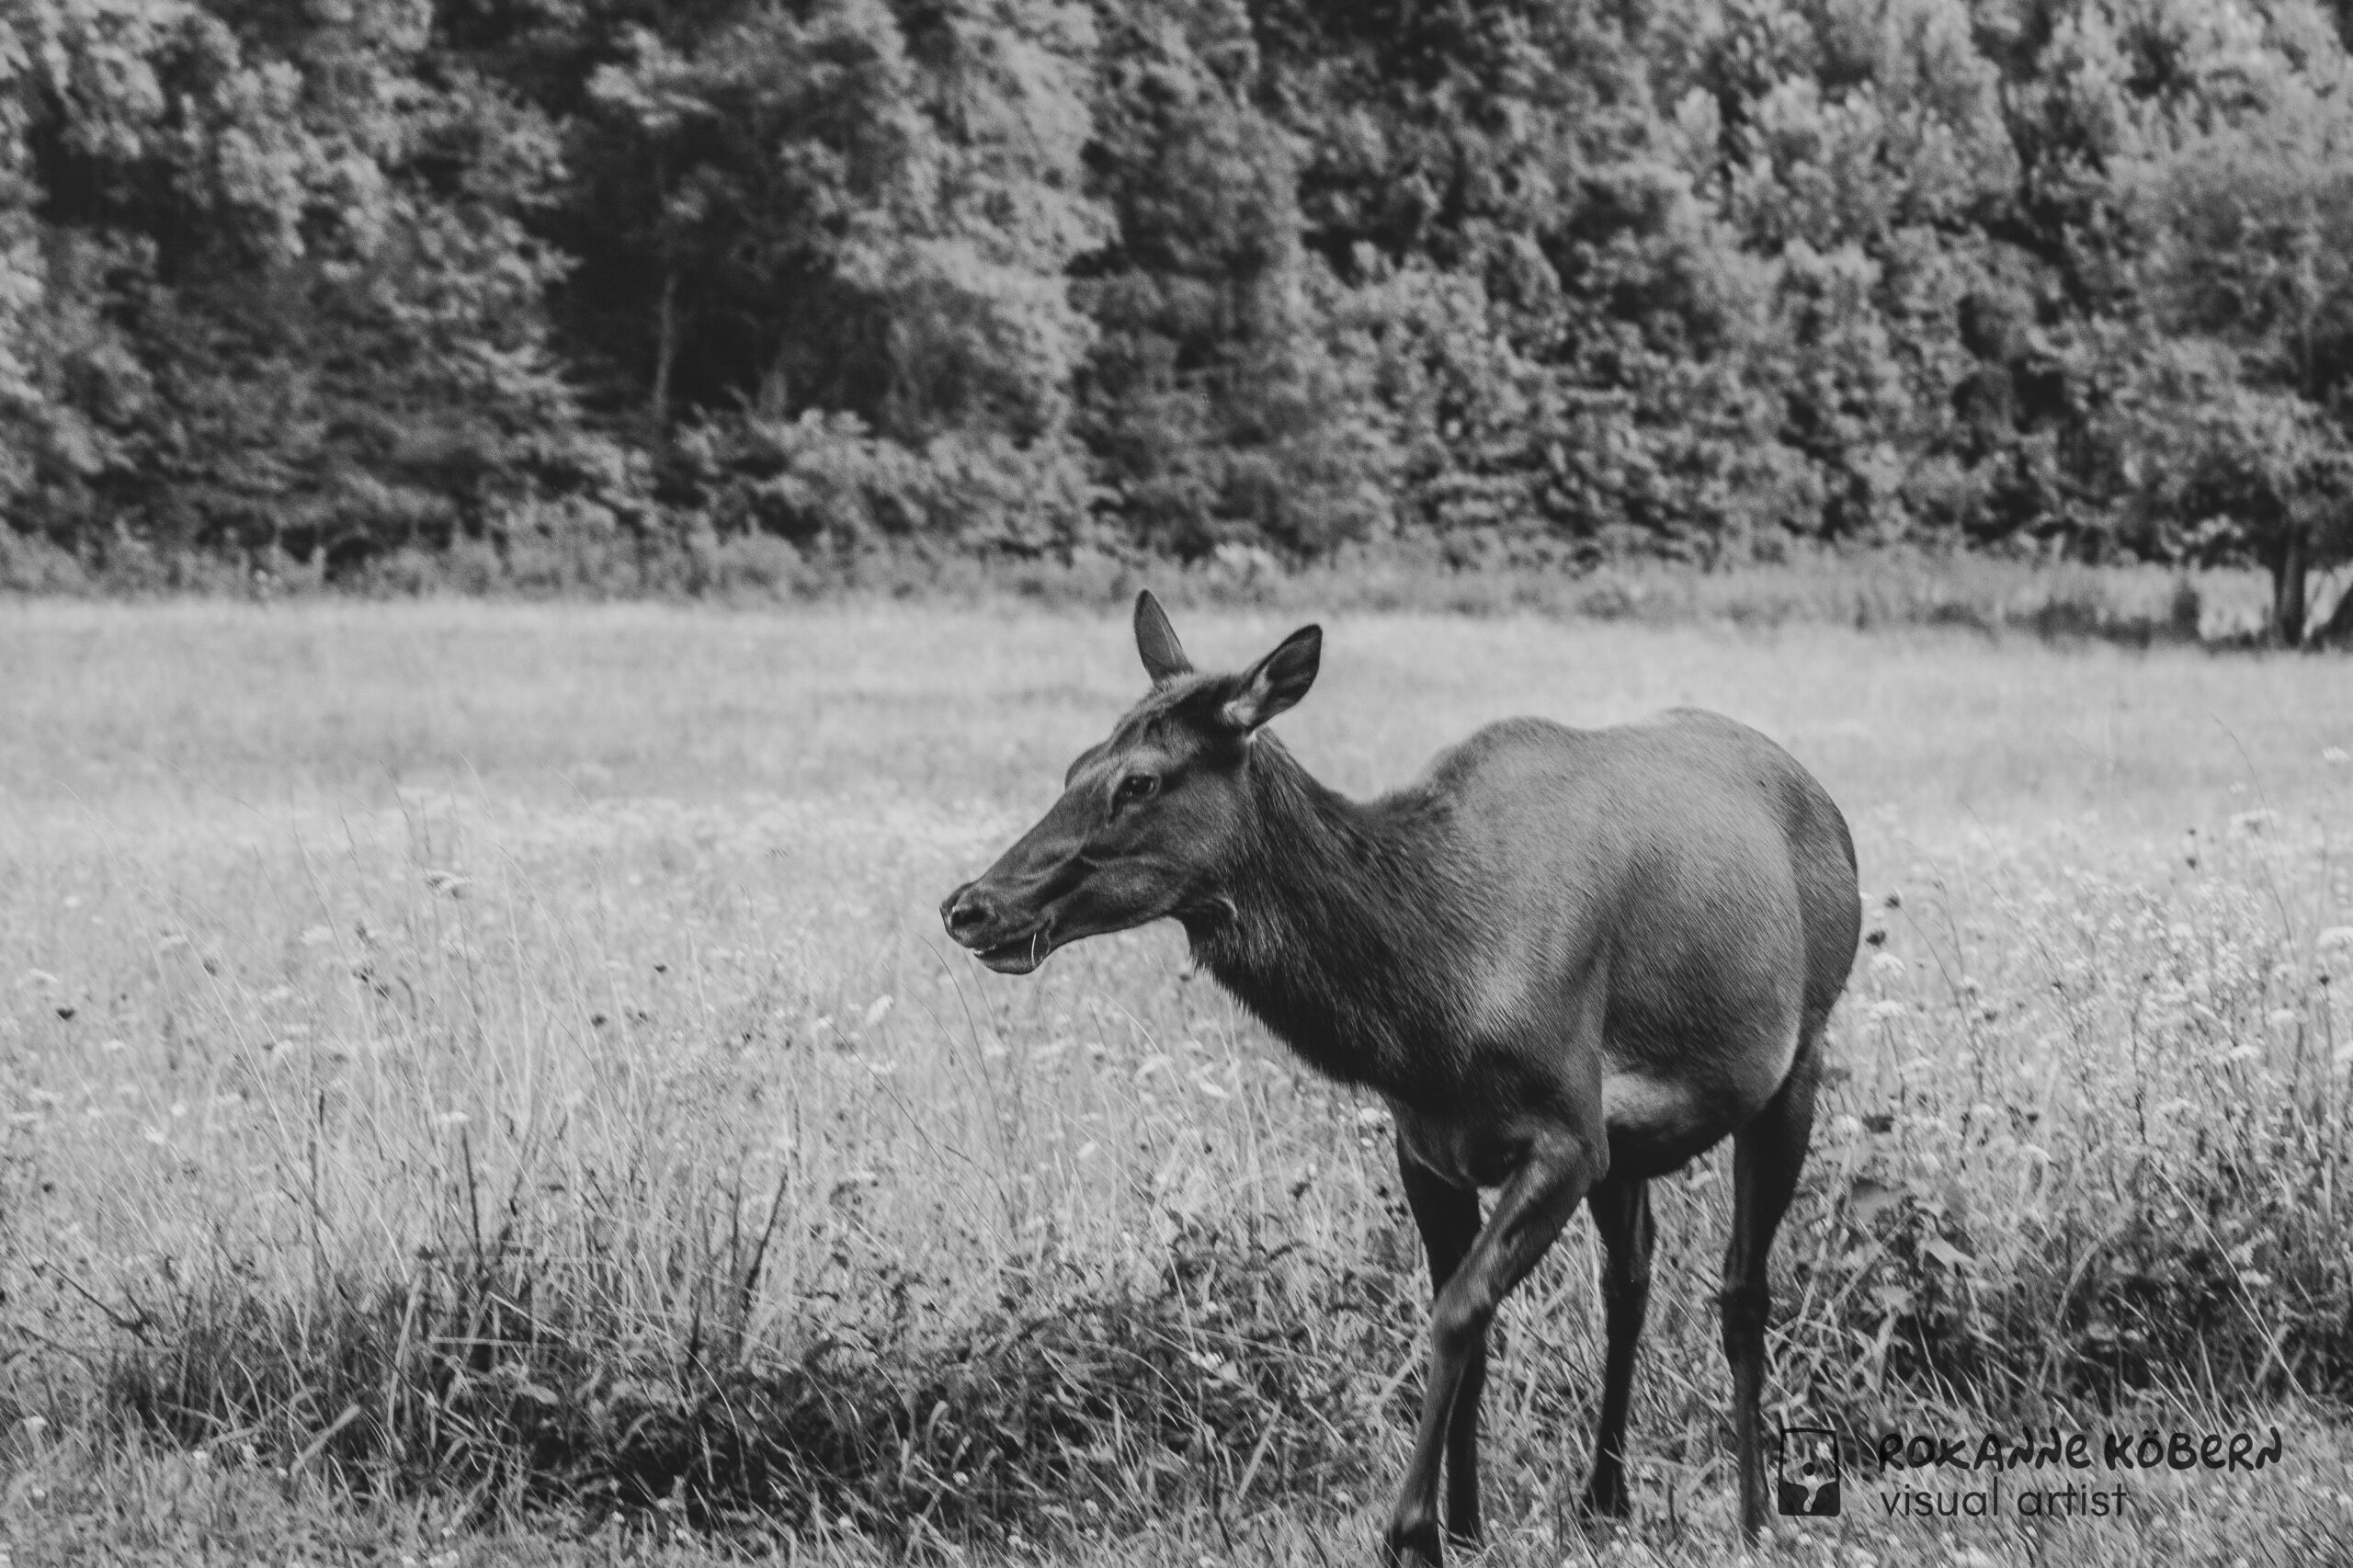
(504, 1055)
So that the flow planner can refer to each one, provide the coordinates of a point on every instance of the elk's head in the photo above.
(1154, 822)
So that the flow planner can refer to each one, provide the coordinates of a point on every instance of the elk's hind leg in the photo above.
(1448, 1218)
(1621, 1213)
(1767, 1156)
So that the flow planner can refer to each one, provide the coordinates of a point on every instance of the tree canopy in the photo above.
(1541, 280)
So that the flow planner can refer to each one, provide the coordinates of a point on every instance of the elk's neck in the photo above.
(1334, 926)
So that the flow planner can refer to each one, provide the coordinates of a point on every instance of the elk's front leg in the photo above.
(1536, 1201)
(1447, 1217)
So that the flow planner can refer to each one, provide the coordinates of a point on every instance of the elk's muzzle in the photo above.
(980, 923)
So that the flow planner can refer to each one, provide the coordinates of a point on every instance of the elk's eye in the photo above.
(1137, 787)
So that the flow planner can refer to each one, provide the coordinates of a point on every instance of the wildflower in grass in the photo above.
(2336, 756)
(1886, 966)
(2336, 939)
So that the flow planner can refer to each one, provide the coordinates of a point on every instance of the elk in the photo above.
(1571, 961)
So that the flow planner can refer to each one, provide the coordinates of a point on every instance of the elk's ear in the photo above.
(1275, 683)
(1164, 656)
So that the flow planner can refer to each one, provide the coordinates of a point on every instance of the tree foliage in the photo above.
(1538, 280)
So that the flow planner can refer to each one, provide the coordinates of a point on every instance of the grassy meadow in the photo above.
(485, 1083)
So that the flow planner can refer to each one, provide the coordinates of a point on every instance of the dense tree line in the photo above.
(1533, 280)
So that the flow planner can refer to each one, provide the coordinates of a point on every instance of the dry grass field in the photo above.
(486, 1083)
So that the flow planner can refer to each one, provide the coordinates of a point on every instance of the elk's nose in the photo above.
(964, 912)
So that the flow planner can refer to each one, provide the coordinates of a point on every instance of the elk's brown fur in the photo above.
(1570, 959)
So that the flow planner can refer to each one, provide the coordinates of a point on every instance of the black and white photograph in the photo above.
(1175, 783)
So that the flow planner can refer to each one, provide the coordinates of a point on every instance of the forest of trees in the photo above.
(1523, 281)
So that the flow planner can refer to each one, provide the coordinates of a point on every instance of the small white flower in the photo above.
(2336, 939)
(1886, 966)
(2336, 756)
(316, 935)
(1373, 1116)
(874, 1013)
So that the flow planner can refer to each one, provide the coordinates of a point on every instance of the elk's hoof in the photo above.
(1605, 1497)
(1412, 1543)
